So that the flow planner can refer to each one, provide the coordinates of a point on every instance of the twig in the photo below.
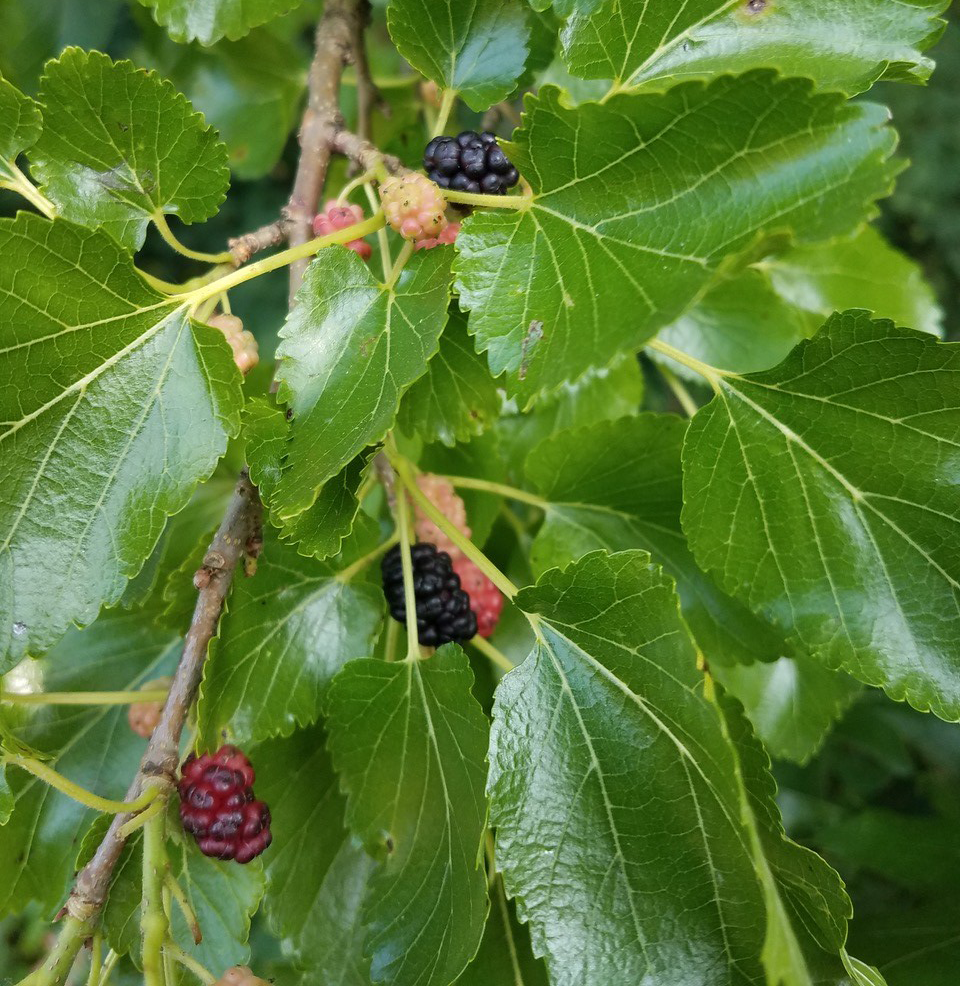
(364, 154)
(244, 247)
(367, 94)
(239, 530)
(321, 120)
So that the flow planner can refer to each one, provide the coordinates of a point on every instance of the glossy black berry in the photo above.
(470, 162)
(443, 608)
(218, 808)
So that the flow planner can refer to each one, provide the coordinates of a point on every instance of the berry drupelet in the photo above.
(486, 600)
(470, 162)
(218, 808)
(443, 608)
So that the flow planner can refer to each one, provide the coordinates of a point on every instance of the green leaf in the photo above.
(599, 395)
(7, 800)
(110, 395)
(863, 271)
(20, 125)
(618, 485)
(638, 204)
(792, 702)
(822, 492)
(505, 957)
(840, 44)
(614, 791)
(456, 398)
(224, 897)
(477, 47)
(317, 874)
(286, 633)
(249, 91)
(120, 145)
(752, 321)
(741, 324)
(90, 745)
(207, 21)
(350, 348)
(408, 741)
(318, 531)
(807, 905)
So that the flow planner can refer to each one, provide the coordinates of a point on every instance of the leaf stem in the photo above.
(163, 228)
(108, 963)
(142, 817)
(85, 797)
(84, 698)
(409, 595)
(96, 960)
(189, 915)
(405, 254)
(446, 105)
(361, 179)
(492, 653)
(386, 260)
(520, 202)
(475, 555)
(153, 920)
(711, 374)
(499, 489)
(390, 644)
(346, 574)
(686, 401)
(22, 185)
(281, 259)
(189, 962)
(58, 963)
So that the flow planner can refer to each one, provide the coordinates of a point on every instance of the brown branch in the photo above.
(321, 120)
(365, 154)
(245, 246)
(239, 532)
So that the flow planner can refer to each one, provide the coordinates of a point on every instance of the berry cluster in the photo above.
(144, 716)
(447, 237)
(240, 975)
(441, 494)
(413, 206)
(443, 608)
(246, 353)
(336, 216)
(486, 600)
(217, 806)
(470, 162)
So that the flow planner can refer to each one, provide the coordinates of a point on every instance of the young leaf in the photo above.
(351, 347)
(317, 873)
(839, 44)
(617, 485)
(408, 741)
(822, 492)
(640, 201)
(110, 396)
(208, 21)
(477, 47)
(318, 531)
(120, 145)
(456, 398)
(91, 745)
(287, 632)
(792, 702)
(20, 125)
(614, 791)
